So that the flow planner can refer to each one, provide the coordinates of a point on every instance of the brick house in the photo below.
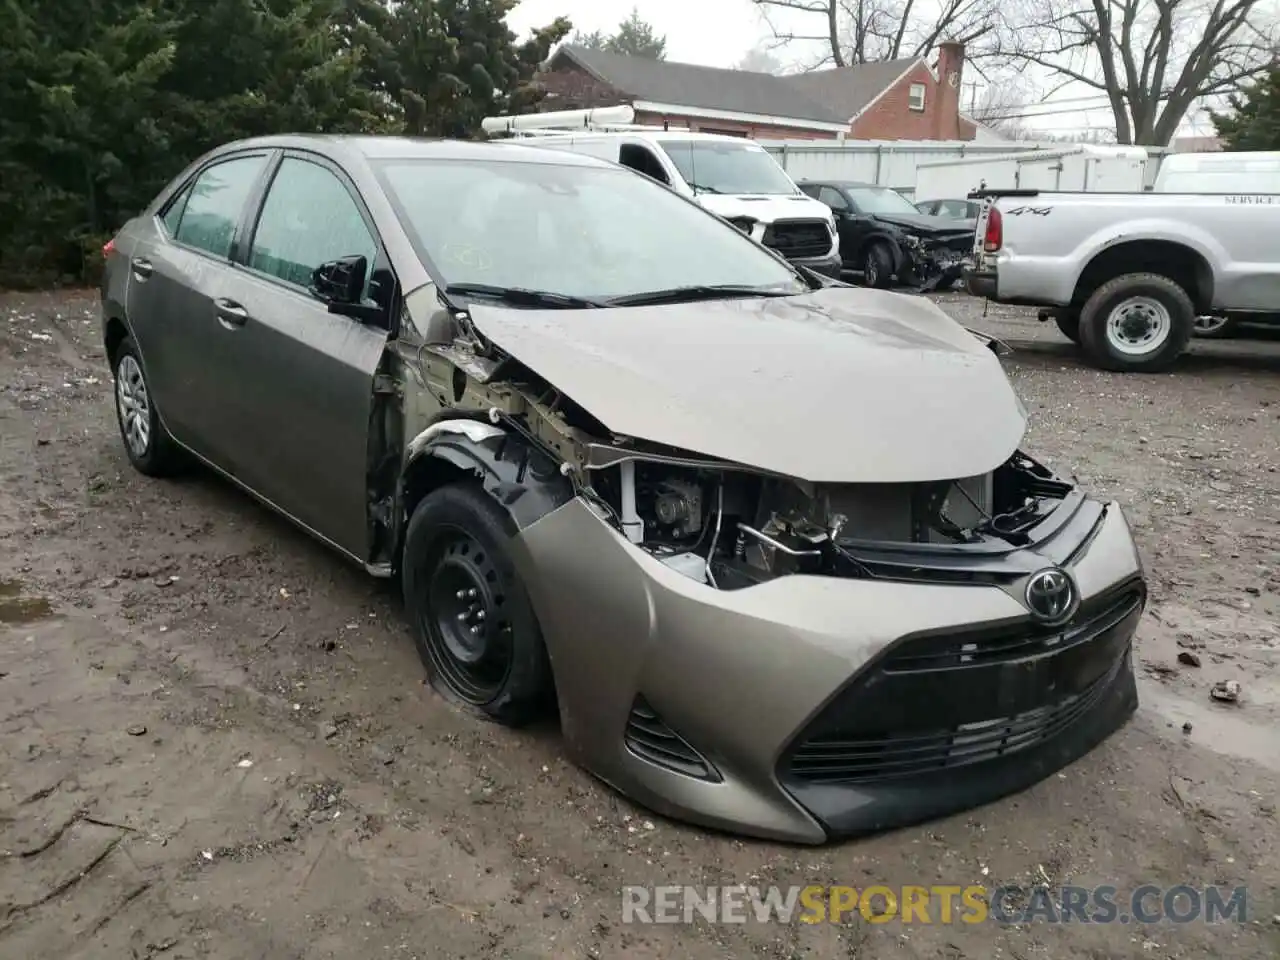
(890, 100)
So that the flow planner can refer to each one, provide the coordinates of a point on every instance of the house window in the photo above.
(915, 97)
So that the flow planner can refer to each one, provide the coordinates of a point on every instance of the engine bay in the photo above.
(736, 529)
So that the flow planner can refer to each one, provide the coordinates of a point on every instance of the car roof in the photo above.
(412, 148)
(842, 183)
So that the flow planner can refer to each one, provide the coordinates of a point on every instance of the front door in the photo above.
(306, 376)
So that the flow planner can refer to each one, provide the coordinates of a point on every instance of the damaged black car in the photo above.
(884, 238)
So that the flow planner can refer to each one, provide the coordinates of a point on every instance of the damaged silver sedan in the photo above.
(768, 543)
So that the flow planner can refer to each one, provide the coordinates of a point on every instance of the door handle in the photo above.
(230, 312)
(142, 268)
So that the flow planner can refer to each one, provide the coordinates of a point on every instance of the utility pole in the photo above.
(973, 95)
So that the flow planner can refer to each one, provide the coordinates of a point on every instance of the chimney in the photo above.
(946, 120)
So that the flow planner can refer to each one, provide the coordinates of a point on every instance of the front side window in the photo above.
(309, 218)
(216, 204)
(833, 199)
(915, 97)
(583, 231)
(718, 166)
(875, 200)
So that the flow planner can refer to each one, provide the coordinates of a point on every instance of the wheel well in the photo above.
(1179, 263)
(115, 334)
(423, 475)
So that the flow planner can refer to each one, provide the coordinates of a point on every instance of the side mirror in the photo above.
(341, 280)
(340, 284)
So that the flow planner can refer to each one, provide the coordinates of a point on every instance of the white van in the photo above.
(1247, 172)
(732, 177)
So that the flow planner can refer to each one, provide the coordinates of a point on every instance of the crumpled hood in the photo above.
(766, 209)
(841, 385)
(923, 223)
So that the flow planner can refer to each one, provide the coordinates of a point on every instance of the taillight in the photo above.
(109, 248)
(994, 237)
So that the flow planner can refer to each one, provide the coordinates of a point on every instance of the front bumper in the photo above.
(720, 706)
(828, 266)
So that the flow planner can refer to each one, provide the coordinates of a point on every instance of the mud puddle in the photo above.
(18, 607)
(1228, 729)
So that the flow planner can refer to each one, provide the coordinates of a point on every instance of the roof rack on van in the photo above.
(559, 122)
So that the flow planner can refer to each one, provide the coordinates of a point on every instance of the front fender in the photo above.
(524, 480)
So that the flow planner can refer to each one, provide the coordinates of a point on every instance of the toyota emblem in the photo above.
(1051, 596)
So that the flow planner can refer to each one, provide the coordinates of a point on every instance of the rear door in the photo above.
(180, 268)
(306, 376)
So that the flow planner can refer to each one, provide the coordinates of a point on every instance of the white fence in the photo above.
(892, 163)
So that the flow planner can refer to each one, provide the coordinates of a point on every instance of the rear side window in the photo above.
(216, 203)
(309, 218)
(173, 216)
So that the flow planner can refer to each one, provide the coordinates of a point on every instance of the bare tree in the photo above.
(760, 60)
(865, 31)
(1152, 60)
(1001, 107)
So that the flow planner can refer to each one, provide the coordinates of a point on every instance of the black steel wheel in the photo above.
(472, 622)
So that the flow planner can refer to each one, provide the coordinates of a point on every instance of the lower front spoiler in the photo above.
(850, 811)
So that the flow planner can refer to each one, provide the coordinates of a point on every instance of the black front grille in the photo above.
(1013, 643)
(833, 760)
(649, 738)
(798, 238)
(930, 703)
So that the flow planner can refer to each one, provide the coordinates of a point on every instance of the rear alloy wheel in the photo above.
(472, 622)
(1139, 322)
(877, 266)
(149, 447)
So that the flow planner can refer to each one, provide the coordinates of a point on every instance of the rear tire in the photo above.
(472, 621)
(1069, 324)
(877, 266)
(1137, 323)
(146, 442)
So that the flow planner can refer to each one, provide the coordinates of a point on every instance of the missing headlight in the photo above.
(732, 529)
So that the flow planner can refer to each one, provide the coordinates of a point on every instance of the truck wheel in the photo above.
(1069, 324)
(877, 266)
(1139, 322)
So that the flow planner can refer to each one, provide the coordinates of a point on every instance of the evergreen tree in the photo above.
(1254, 120)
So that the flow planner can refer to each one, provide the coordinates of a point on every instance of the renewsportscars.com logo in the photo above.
(936, 904)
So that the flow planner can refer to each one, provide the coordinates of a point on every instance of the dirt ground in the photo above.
(216, 742)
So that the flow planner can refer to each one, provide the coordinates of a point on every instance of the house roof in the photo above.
(850, 90)
(708, 88)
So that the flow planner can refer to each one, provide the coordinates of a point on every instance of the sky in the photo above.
(716, 33)
(719, 33)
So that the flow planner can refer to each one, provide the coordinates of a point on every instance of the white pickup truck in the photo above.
(1125, 275)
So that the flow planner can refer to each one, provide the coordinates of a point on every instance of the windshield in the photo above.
(579, 231)
(880, 200)
(716, 166)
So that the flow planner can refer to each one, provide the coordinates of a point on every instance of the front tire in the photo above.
(146, 442)
(471, 618)
(877, 266)
(1138, 322)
